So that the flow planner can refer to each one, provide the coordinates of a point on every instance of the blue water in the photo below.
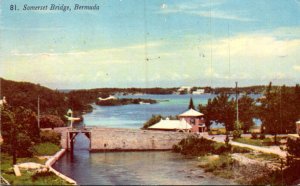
(133, 168)
(134, 116)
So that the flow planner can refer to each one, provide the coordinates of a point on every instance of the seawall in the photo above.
(52, 160)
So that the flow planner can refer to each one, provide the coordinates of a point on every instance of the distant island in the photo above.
(124, 101)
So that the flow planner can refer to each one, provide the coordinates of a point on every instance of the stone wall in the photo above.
(114, 139)
(134, 139)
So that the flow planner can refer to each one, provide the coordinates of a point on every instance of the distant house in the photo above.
(198, 91)
(172, 125)
(184, 89)
(195, 119)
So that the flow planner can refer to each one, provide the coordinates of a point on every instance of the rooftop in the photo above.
(191, 112)
(171, 124)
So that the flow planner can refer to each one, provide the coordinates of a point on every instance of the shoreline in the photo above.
(52, 160)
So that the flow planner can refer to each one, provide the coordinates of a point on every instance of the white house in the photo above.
(173, 125)
(185, 88)
(199, 91)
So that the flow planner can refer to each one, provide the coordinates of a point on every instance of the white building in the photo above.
(199, 91)
(185, 88)
(174, 125)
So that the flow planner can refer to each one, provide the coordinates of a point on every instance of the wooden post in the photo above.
(67, 146)
(90, 148)
(72, 142)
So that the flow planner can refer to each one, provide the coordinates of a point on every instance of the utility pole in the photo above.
(237, 102)
(38, 111)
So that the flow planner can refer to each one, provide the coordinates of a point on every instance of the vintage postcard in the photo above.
(150, 92)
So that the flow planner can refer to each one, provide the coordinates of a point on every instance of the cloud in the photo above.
(200, 9)
(253, 46)
(296, 68)
(125, 54)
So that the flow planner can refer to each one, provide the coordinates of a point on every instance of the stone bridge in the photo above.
(116, 139)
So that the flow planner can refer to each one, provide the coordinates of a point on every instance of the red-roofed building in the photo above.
(195, 119)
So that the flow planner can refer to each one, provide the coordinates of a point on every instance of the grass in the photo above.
(263, 156)
(256, 142)
(43, 149)
(32, 178)
(218, 165)
(27, 177)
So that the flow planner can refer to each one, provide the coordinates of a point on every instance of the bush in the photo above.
(153, 120)
(293, 146)
(50, 136)
(253, 136)
(43, 149)
(227, 139)
(236, 149)
(262, 136)
(194, 146)
(176, 148)
(200, 146)
(236, 134)
(51, 121)
(219, 148)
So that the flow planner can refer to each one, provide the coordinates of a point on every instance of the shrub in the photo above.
(293, 146)
(253, 136)
(227, 140)
(200, 146)
(236, 149)
(236, 134)
(176, 148)
(219, 148)
(51, 121)
(50, 136)
(262, 136)
(194, 146)
(43, 149)
(153, 120)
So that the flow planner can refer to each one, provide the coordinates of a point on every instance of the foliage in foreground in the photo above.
(51, 121)
(256, 142)
(19, 130)
(43, 149)
(28, 177)
(200, 146)
(50, 136)
(293, 147)
(221, 166)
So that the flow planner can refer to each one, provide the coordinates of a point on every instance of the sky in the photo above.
(154, 43)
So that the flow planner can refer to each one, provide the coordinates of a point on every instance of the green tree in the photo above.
(51, 121)
(191, 104)
(221, 109)
(153, 120)
(19, 131)
(226, 111)
(246, 112)
(210, 111)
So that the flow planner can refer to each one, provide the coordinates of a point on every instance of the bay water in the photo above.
(135, 168)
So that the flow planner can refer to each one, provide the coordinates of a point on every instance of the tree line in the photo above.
(278, 109)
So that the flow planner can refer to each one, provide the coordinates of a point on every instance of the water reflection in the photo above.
(123, 168)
